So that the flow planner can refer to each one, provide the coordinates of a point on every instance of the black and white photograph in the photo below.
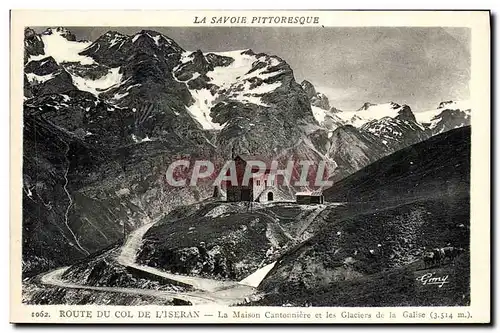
(247, 166)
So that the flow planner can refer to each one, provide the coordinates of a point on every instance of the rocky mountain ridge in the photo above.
(133, 101)
(396, 125)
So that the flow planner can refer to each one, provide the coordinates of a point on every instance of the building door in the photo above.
(270, 196)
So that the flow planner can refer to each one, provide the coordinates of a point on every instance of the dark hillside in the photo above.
(440, 164)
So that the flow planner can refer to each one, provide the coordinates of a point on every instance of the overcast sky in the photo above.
(416, 66)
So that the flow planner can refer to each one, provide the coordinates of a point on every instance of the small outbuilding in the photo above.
(307, 198)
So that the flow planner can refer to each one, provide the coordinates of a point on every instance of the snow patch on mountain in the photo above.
(225, 76)
(117, 38)
(235, 81)
(245, 93)
(63, 50)
(186, 56)
(200, 110)
(120, 96)
(159, 39)
(318, 113)
(133, 86)
(112, 78)
(137, 140)
(37, 79)
(238, 72)
(370, 112)
(136, 37)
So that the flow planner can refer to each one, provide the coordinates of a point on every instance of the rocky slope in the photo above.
(89, 165)
(352, 149)
(317, 99)
(373, 257)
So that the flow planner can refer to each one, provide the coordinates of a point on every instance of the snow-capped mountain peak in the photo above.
(317, 99)
(366, 106)
(60, 44)
(158, 39)
(63, 32)
(223, 78)
(115, 39)
(114, 48)
(370, 111)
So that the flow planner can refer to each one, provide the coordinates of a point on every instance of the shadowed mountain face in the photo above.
(438, 165)
(352, 149)
(105, 118)
(369, 250)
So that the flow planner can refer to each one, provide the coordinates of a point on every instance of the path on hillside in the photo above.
(208, 291)
(128, 256)
(310, 219)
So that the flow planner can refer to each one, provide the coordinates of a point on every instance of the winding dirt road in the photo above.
(208, 291)
(53, 278)
(129, 253)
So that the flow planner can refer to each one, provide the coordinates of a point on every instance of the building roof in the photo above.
(310, 193)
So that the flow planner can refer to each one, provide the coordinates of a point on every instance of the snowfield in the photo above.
(200, 110)
(225, 76)
(233, 82)
(33, 78)
(373, 112)
(63, 50)
(114, 77)
(318, 113)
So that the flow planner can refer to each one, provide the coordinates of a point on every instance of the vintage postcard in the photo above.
(250, 167)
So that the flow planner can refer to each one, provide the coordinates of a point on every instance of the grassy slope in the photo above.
(440, 164)
(339, 258)
(394, 287)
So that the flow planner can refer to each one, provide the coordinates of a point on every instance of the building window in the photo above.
(257, 182)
